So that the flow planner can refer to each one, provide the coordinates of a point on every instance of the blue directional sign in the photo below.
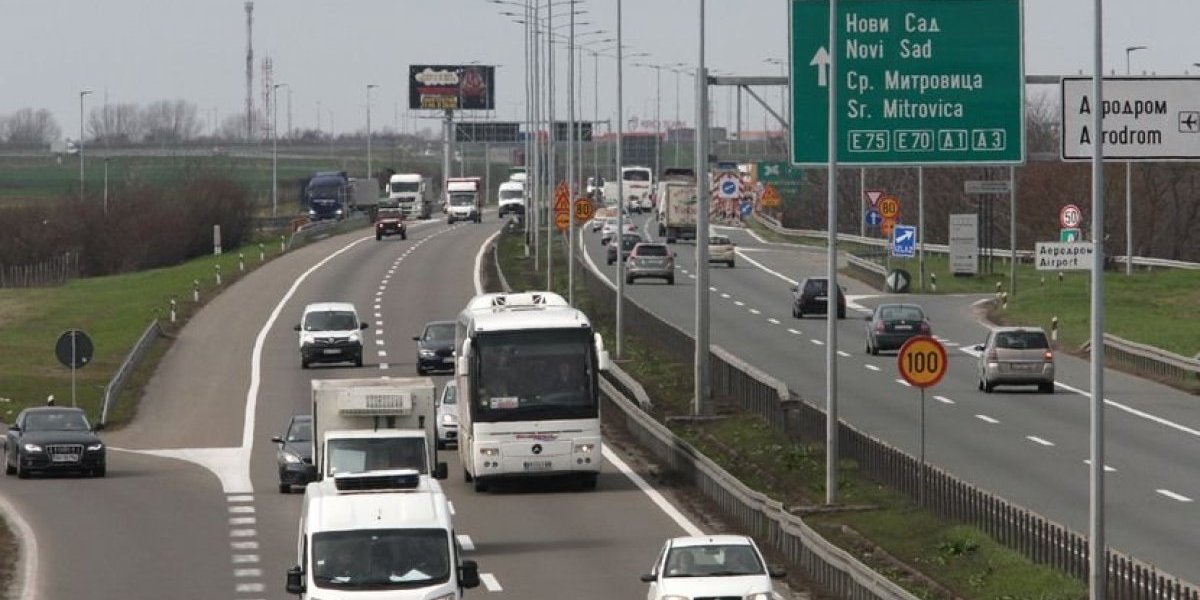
(747, 208)
(904, 241)
(729, 188)
(873, 218)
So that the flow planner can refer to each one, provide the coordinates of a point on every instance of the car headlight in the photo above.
(491, 452)
(95, 447)
(426, 353)
(584, 448)
(307, 338)
(449, 596)
(759, 596)
(674, 597)
(355, 338)
(290, 458)
(449, 419)
(33, 448)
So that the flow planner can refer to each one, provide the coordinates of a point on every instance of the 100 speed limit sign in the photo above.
(922, 361)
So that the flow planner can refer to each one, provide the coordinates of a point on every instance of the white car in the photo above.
(609, 231)
(330, 332)
(599, 222)
(447, 415)
(714, 566)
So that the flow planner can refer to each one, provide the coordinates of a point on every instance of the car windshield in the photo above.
(511, 194)
(400, 187)
(462, 199)
(379, 559)
(301, 431)
(356, 455)
(1022, 340)
(900, 313)
(332, 320)
(654, 250)
(450, 395)
(439, 331)
(636, 175)
(712, 561)
(390, 213)
(629, 241)
(56, 421)
(718, 241)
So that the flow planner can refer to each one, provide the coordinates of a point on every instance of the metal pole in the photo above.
(595, 117)
(657, 123)
(447, 124)
(550, 138)
(106, 185)
(1012, 230)
(831, 415)
(370, 172)
(275, 150)
(701, 383)
(921, 474)
(74, 359)
(862, 202)
(677, 124)
(82, 93)
(1129, 187)
(529, 173)
(921, 225)
(536, 143)
(620, 191)
(1096, 545)
(571, 160)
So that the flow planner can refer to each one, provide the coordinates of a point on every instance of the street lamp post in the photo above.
(1128, 187)
(275, 147)
(370, 172)
(82, 93)
(657, 115)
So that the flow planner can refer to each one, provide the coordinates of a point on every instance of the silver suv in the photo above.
(1016, 356)
(649, 259)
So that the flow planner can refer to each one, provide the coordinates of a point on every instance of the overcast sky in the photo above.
(327, 51)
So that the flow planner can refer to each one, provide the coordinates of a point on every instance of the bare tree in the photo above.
(31, 127)
(115, 124)
(233, 127)
(171, 121)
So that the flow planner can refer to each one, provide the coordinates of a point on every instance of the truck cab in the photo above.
(325, 195)
(408, 191)
(463, 199)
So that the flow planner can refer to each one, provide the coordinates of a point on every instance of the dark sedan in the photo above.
(628, 241)
(294, 454)
(811, 296)
(51, 438)
(893, 324)
(435, 347)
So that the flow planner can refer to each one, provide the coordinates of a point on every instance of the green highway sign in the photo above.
(778, 171)
(919, 82)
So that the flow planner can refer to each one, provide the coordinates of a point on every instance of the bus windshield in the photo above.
(534, 375)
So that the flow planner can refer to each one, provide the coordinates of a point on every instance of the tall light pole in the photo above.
(620, 190)
(370, 172)
(657, 115)
(676, 68)
(275, 147)
(1128, 186)
(82, 93)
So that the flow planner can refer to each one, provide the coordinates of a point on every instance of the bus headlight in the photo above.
(490, 452)
(584, 448)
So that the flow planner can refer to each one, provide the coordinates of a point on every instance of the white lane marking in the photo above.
(872, 367)
(1108, 469)
(241, 509)
(943, 400)
(738, 303)
(384, 366)
(773, 321)
(843, 354)
(247, 588)
(26, 584)
(382, 288)
(755, 311)
(1174, 496)
(903, 382)
(246, 545)
(247, 572)
(817, 342)
(379, 342)
(452, 513)
(987, 419)
(378, 315)
(242, 520)
(969, 350)
(379, 331)
(244, 559)
(691, 276)
(464, 542)
(712, 289)
(382, 353)
(795, 332)
(479, 262)
(753, 234)
(950, 344)
(764, 268)
(489, 581)
(1135, 412)
(239, 498)
(657, 498)
(725, 295)
(1037, 440)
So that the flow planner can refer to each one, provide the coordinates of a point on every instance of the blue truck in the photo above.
(326, 195)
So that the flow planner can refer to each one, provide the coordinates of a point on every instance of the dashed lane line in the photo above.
(1174, 496)
(987, 419)
(1037, 440)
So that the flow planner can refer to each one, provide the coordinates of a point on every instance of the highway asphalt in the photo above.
(1026, 447)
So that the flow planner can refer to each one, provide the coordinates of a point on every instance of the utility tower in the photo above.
(249, 69)
(267, 75)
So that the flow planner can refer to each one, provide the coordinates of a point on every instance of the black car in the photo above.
(628, 241)
(435, 347)
(51, 438)
(811, 296)
(893, 324)
(295, 454)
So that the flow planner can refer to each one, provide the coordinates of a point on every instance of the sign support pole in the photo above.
(921, 476)
(703, 202)
(831, 414)
(74, 361)
(921, 225)
(1096, 556)
(1012, 231)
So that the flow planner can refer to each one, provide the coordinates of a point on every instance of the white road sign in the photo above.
(964, 244)
(1058, 256)
(1069, 216)
(1145, 118)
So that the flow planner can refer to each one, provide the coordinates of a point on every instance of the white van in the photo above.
(330, 332)
(512, 198)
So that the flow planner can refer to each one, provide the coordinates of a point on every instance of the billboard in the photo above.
(451, 87)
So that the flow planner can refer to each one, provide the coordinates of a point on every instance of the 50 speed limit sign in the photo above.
(922, 361)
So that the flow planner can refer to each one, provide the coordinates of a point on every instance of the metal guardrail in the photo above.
(1151, 361)
(114, 386)
(317, 230)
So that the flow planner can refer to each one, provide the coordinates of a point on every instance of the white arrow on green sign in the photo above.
(919, 82)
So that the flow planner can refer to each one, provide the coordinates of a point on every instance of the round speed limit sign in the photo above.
(922, 361)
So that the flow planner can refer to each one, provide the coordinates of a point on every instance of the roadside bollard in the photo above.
(1004, 300)
(241, 262)
(933, 281)
(217, 268)
(172, 309)
(999, 290)
(195, 290)
(1060, 276)
(1043, 281)
(281, 244)
(1054, 328)
(262, 253)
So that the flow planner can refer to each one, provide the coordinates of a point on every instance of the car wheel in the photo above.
(303, 364)
(404, 235)
(100, 471)
(611, 261)
(285, 488)
(1046, 388)
(21, 472)
(441, 445)
(421, 370)
(8, 469)
(670, 281)
(731, 264)
(988, 386)
(629, 280)
(979, 384)
(449, 221)
(358, 361)
(378, 236)
(842, 314)
(467, 476)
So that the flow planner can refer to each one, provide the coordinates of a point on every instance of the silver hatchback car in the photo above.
(1016, 356)
(650, 259)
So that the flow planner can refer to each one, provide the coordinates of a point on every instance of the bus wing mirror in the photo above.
(601, 354)
(462, 364)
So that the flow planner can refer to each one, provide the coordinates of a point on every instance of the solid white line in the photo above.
(943, 400)
(817, 342)
(1037, 440)
(247, 545)
(241, 509)
(764, 268)
(903, 382)
(464, 542)
(657, 498)
(1135, 412)
(1088, 462)
(27, 567)
(755, 311)
(489, 581)
(1174, 496)
(245, 588)
(242, 559)
(795, 332)
(843, 354)
(247, 572)
(987, 419)
(240, 498)
(452, 513)
(872, 367)
(479, 261)
(773, 321)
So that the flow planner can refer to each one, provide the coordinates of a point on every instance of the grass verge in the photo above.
(931, 557)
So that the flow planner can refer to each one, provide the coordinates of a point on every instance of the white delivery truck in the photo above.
(464, 200)
(385, 534)
(512, 198)
(677, 205)
(407, 190)
(365, 425)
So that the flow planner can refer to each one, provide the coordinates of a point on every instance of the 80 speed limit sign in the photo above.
(922, 361)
